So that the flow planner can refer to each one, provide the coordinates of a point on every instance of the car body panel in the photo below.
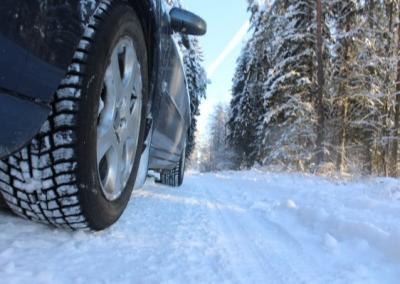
(19, 122)
(37, 42)
(46, 34)
(173, 115)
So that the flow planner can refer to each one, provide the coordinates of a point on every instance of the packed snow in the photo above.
(230, 227)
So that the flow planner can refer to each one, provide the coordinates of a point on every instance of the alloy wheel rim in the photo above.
(119, 119)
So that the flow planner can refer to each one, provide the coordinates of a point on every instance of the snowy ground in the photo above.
(248, 227)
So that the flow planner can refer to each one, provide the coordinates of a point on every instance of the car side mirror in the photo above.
(186, 22)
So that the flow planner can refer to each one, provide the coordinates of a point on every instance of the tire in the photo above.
(175, 177)
(3, 204)
(57, 179)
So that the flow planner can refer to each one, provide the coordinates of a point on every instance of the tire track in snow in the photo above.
(191, 253)
(194, 245)
(256, 239)
(233, 244)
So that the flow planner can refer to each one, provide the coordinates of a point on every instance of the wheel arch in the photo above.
(149, 18)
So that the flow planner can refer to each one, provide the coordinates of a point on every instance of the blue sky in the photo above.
(225, 18)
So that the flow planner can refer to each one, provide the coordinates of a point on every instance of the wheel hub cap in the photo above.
(119, 119)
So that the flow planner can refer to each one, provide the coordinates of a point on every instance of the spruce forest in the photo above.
(316, 88)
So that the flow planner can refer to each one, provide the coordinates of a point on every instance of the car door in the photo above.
(173, 117)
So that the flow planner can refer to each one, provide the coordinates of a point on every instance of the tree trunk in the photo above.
(371, 7)
(369, 134)
(386, 108)
(344, 114)
(386, 145)
(321, 83)
(395, 148)
(343, 136)
(368, 147)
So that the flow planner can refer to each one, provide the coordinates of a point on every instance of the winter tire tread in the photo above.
(39, 182)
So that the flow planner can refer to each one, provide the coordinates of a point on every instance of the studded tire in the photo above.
(55, 179)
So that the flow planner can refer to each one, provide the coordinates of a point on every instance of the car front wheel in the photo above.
(80, 170)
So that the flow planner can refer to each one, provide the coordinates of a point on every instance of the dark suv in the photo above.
(92, 95)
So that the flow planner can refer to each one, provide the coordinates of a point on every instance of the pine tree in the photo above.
(343, 82)
(196, 79)
(321, 84)
(366, 121)
(361, 84)
(219, 152)
(246, 103)
(396, 133)
(384, 136)
(238, 121)
(319, 81)
(287, 130)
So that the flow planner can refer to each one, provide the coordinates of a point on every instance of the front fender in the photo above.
(37, 42)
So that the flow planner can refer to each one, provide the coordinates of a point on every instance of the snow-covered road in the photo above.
(238, 227)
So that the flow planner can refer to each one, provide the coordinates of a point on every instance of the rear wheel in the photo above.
(80, 170)
(175, 176)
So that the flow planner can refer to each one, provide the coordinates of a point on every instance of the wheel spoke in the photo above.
(137, 80)
(132, 124)
(118, 175)
(109, 181)
(113, 78)
(129, 73)
(106, 139)
(128, 158)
